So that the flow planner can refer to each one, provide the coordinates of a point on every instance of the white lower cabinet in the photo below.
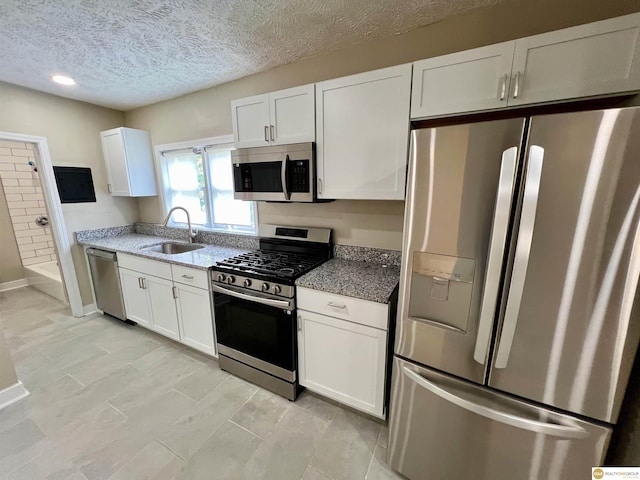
(341, 359)
(170, 305)
(195, 318)
(136, 299)
(163, 307)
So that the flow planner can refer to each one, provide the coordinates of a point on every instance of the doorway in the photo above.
(34, 215)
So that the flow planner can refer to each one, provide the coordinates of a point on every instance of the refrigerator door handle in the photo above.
(497, 243)
(536, 426)
(523, 249)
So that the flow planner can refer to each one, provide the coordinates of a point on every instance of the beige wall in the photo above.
(207, 113)
(10, 265)
(72, 131)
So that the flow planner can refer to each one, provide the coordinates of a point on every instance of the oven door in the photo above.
(257, 330)
(282, 173)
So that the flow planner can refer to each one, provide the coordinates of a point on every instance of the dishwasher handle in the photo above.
(107, 255)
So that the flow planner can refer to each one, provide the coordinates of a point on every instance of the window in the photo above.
(200, 179)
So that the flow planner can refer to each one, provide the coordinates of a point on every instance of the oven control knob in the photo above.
(231, 279)
(265, 287)
(221, 277)
(277, 289)
(246, 283)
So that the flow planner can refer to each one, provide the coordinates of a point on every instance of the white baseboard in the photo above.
(12, 394)
(91, 308)
(13, 285)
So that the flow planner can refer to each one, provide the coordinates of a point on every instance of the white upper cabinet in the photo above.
(594, 59)
(475, 79)
(129, 162)
(362, 127)
(286, 116)
(601, 58)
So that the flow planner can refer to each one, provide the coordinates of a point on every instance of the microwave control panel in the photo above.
(299, 176)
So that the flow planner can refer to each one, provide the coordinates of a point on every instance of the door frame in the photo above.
(54, 208)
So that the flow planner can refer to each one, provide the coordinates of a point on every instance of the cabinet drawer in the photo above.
(353, 309)
(144, 265)
(190, 276)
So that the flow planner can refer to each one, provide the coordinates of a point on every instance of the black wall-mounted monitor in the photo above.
(75, 184)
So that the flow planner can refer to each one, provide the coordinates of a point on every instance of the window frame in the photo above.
(162, 176)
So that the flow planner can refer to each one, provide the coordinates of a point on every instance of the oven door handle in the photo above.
(284, 304)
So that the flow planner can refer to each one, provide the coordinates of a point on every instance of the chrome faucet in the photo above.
(192, 234)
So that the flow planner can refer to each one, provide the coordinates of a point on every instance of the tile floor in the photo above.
(111, 401)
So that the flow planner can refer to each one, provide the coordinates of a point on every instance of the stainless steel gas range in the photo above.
(255, 307)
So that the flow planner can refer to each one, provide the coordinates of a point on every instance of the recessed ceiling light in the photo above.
(63, 80)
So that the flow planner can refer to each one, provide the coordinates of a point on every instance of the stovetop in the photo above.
(278, 265)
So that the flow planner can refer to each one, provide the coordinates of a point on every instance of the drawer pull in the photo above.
(188, 277)
(336, 305)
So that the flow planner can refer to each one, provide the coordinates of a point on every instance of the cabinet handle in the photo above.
(503, 89)
(140, 282)
(516, 89)
(300, 323)
(144, 283)
(272, 135)
(335, 305)
(266, 134)
(319, 185)
(109, 189)
(188, 277)
(175, 292)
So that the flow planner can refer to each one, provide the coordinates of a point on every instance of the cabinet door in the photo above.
(163, 307)
(136, 301)
(292, 114)
(594, 59)
(195, 317)
(250, 118)
(342, 360)
(362, 131)
(475, 79)
(115, 162)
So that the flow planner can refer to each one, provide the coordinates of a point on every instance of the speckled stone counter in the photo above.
(364, 280)
(136, 244)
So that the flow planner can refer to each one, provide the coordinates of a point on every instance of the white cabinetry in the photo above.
(342, 348)
(276, 118)
(475, 79)
(362, 127)
(600, 58)
(129, 162)
(180, 309)
(594, 59)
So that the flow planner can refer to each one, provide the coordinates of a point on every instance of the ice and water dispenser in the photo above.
(441, 287)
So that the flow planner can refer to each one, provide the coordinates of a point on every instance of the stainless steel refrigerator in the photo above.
(518, 315)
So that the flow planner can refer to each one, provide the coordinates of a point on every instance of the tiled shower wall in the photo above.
(26, 202)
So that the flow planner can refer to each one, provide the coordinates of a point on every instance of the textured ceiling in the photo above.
(126, 54)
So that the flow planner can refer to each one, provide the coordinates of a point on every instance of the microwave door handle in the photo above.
(283, 177)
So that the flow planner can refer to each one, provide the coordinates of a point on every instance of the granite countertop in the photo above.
(364, 280)
(136, 244)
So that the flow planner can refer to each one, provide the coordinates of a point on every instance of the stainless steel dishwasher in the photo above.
(106, 282)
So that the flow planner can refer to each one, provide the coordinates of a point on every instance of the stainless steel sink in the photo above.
(171, 248)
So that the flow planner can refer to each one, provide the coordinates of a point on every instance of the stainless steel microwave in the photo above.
(278, 173)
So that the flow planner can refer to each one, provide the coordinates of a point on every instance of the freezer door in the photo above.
(459, 199)
(570, 327)
(443, 428)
